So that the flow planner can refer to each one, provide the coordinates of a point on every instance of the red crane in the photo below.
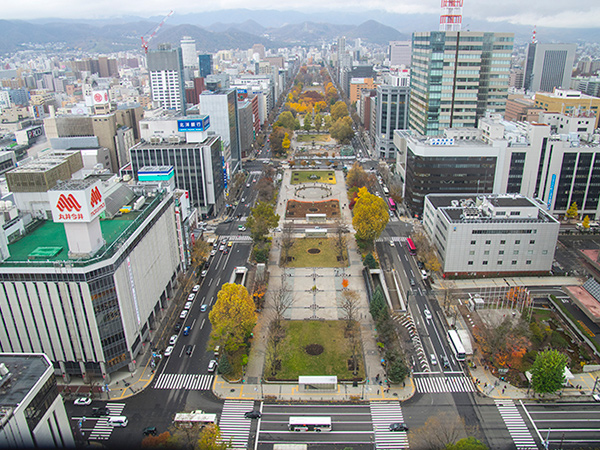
(158, 27)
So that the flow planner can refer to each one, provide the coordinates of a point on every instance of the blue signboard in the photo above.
(551, 193)
(201, 123)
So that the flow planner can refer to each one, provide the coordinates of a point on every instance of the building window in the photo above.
(501, 252)
(530, 252)
(499, 263)
(484, 263)
(515, 252)
(470, 263)
(502, 242)
(544, 252)
(513, 262)
(472, 252)
(528, 261)
(488, 242)
(517, 242)
(473, 242)
(532, 241)
(487, 252)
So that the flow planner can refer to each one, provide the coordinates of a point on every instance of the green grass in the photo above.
(313, 137)
(326, 258)
(334, 359)
(302, 176)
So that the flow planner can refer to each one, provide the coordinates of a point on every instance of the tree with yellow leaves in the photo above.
(210, 439)
(285, 144)
(232, 318)
(370, 215)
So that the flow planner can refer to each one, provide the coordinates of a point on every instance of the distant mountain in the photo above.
(376, 33)
(249, 26)
(307, 33)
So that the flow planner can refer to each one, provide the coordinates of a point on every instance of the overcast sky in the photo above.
(555, 13)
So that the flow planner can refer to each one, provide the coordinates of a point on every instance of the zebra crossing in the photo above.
(391, 238)
(406, 320)
(443, 383)
(382, 415)
(238, 238)
(517, 427)
(189, 381)
(234, 427)
(102, 429)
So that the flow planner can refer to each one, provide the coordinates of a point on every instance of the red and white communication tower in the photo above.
(451, 17)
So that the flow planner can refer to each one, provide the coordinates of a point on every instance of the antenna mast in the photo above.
(451, 17)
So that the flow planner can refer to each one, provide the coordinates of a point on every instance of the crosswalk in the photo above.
(382, 415)
(238, 238)
(516, 425)
(406, 320)
(189, 381)
(102, 430)
(434, 384)
(391, 238)
(234, 427)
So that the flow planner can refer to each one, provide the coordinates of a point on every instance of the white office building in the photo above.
(490, 235)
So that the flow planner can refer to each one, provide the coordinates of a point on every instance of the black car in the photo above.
(149, 431)
(398, 427)
(420, 264)
(101, 411)
(252, 414)
(177, 327)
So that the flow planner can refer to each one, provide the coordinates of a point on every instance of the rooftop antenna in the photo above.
(533, 36)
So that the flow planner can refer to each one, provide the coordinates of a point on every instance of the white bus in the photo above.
(456, 344)
(197, 417)
(317, 424)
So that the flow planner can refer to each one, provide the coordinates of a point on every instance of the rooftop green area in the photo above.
(50, 235)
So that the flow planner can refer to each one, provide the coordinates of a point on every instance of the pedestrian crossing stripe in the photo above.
(102, 430)
(516, 425)
(233, 426)
(439, 384)
(236, 238)
(391, 238)
(382, 415)
(191, 382)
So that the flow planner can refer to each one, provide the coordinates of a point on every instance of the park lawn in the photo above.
(326, 258)
(312, 137)
(336, 350)
(302, 176)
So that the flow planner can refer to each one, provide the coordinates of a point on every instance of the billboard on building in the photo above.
(77, 205)
(100, 97)
(193, 124)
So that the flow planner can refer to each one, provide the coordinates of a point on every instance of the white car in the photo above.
(221, 248)
(196, 288)
(212, 365)
(191, 297)
(173, 340)
(83, 401)
(213, 252)
(427, 314)
(183, 314)
(204, 272)
(392, 244)
(168, 351)
(188, 305)
(243, 200)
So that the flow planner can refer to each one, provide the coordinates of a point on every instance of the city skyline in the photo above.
(546, 13)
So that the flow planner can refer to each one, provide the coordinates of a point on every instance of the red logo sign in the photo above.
(98, 97)
(95, 197)
(67, 202)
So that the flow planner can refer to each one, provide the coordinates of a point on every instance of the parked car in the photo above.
(177, 327)
(203, 273)
(203, 308)
(191, 297)
(168, 351)
(252, 414)
(187, 305)
(183, 314)
(212, 365)
(196, 288)
(83, 401)
(173, 340)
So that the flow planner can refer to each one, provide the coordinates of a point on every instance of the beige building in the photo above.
(357, 85)
(568, 101)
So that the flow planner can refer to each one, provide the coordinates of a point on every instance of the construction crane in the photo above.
(145, 42)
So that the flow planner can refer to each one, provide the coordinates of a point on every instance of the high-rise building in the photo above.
(400, 53)
(392, 114)
(456, 77)
(166, 77)
(222, 107)
(205, 65)
(189, 57)
(548, 66)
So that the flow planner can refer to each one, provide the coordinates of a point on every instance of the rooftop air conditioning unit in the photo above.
(155, 139)
(174, 140)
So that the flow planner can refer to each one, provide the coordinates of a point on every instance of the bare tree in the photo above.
(438, 432)
(350, 306)
(340, 241)
(287, 243)
(282, 300)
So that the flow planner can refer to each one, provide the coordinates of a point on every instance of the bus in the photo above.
(391, 204)
(317, 424)
(456, 344)
(411, 246)
(197, 417)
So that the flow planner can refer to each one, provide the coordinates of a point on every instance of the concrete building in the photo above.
(521, 109)
(548, 66)
(86, 291)
(189, 57)
(392, 114)
(565, 100)
(246, 127)
(490, 235)
(357, 85)
(452, 87)
(167, 77)
(502, 157)
(205, 65)
(222, 107)
(575, 123)
(32, 412)
(197, 158)
(400, 53)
